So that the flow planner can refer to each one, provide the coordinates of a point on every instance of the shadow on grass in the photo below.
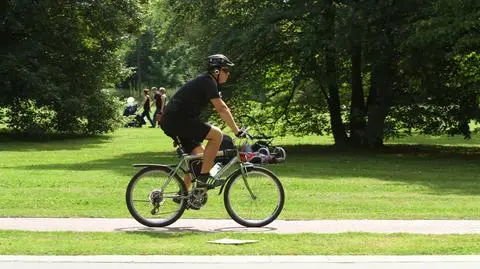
(122, 165)
(162, 233)
(189, 231)
(444, 170)
(184, 229)
(12, 142)
(433, 151)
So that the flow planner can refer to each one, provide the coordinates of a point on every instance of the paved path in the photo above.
(240, 262)
(227, 225)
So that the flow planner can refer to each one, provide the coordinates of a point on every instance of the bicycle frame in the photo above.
(185, 159)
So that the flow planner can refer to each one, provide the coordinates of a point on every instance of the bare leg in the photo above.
(214, 138)
(188, 180)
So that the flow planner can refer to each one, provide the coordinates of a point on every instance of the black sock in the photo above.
(204, 175)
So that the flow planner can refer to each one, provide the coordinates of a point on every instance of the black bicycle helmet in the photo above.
(216, 61)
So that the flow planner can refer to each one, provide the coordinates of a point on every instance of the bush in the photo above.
(104, 113)
(3, 112)
(27, 117)
(100, 114)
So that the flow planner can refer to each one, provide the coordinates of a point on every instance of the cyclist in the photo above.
(181, 118)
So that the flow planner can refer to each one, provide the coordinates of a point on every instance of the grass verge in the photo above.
(151, 243)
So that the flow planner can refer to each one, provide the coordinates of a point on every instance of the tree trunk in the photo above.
(357, 109)
(139, 66)
(338, 129)
(381, 94)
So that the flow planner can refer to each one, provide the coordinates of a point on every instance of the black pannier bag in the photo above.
(227, 143)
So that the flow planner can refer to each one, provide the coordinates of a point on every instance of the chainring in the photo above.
(197, 198)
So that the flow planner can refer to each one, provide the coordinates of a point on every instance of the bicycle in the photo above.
(157, 196)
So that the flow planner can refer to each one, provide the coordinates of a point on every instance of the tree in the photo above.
(441, 66)
(159, 55)
(58, 57)
(372, 69)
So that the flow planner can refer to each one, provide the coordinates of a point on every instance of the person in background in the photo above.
(160, 99)
(146, 107)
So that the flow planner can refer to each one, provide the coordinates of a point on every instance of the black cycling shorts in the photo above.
(190, 132)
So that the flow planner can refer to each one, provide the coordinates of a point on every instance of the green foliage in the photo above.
(296, 63)
(103, 114)
(158, 56)
(3, 113)
(363, 70)
(27, 117)
(441, 67)
(171, 68)
(59, 55)
(100, 116)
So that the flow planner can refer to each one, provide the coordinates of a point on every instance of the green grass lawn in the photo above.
(187, 243)
(87, 178)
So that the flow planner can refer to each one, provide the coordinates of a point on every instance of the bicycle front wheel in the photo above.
(254, 199)
(155, 200)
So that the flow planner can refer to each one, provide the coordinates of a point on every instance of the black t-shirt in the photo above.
(192, 97)
(158, 100)
(146, 106)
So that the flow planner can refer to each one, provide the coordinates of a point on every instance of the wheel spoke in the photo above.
(255, 198)
(154, 183)
(144, 201)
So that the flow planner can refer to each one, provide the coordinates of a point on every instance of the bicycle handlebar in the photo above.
(244, 130)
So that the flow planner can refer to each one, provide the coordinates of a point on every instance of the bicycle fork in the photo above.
(243, 169)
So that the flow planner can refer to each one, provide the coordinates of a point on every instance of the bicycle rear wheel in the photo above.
(256, 199)
(151, 205)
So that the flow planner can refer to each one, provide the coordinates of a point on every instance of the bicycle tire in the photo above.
(139, 206)
(245, 209)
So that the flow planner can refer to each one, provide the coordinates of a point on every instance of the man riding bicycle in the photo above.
(181, 119)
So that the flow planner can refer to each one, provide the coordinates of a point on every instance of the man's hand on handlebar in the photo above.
(242, 132)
